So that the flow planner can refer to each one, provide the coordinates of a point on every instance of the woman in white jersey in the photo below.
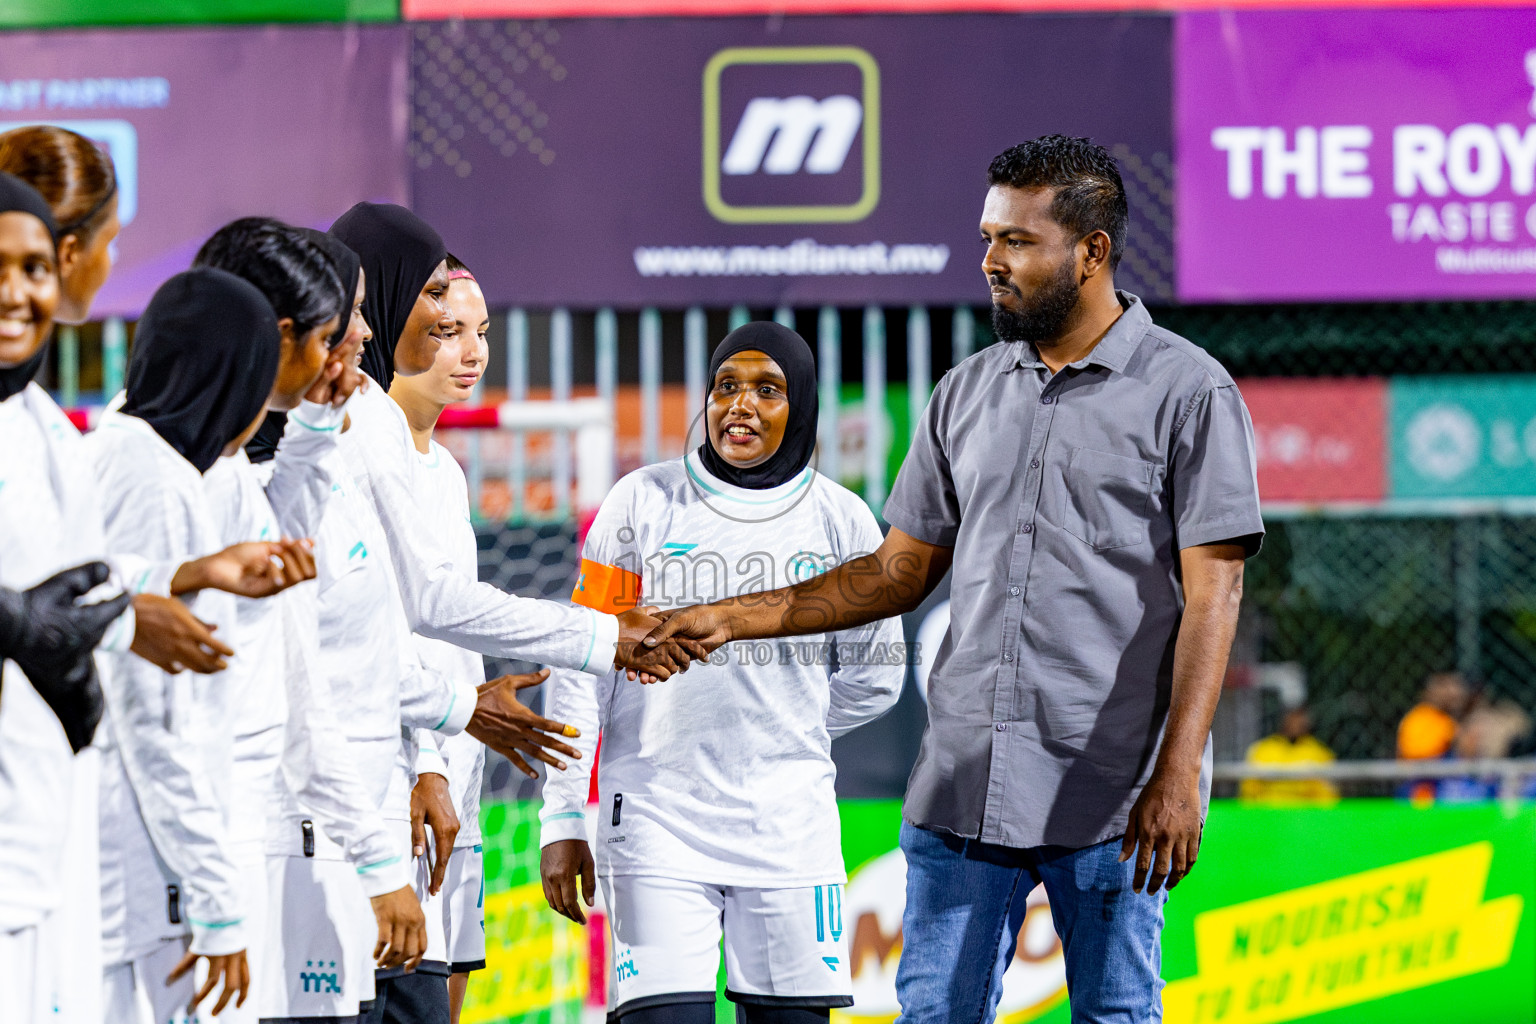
(203, 362)
(288, 717)
(444, 498)
(50, 520)
(717, 812)
(403, 260)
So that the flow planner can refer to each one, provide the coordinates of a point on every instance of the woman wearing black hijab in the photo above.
(263, 447)
(405, 264)
(717, 788)
(204, 361)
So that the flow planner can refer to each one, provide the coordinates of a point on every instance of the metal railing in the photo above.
(1506, 774)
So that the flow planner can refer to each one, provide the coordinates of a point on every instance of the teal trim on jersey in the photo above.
(821, 918)
(477, 848)
(310, 426)
(365, 868)
(215, 924)
(356, 548)
(806, 476)
(562, 816)
(592, 646)
(449, 713)
(675, 547)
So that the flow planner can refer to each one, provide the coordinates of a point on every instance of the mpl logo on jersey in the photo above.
(791, 135)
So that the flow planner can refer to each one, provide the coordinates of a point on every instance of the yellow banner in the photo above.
(1346, 941)
(535, 959)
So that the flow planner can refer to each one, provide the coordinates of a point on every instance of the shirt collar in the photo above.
(1113, 352)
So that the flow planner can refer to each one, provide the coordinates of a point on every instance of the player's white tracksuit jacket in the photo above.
(440, 601)
(444, 499)
(165, 738)
(722, 774)
(50, 519)
(366, 653)
(289, 717)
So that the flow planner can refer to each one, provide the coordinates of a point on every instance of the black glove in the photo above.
(51, 638)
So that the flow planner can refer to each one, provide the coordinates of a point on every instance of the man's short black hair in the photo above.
(1089, 193)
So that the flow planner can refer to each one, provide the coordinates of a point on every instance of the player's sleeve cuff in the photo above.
(605, 642)
(218, 938)
(460, 709)
(384, 876)
(430, 762)
(559, 827)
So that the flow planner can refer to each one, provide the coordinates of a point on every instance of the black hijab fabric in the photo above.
(793, 355)
(204, 360)
(16, 196)
(263, 446)
(398, 251)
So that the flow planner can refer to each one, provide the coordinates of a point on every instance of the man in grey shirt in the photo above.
(1090, 482)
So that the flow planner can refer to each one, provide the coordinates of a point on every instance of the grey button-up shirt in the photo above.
(1067, 498)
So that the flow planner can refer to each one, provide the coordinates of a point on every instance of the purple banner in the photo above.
(1348, 155)
(784, 160)
(208, 125)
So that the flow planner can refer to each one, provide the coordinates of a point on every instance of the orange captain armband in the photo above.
(606, 588)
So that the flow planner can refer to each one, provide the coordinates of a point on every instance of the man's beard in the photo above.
(1044, 313)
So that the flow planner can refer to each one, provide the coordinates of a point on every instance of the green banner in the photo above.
(1366, 912)
(1463, 436)
(79, 13)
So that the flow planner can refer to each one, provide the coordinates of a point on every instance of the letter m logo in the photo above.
(791, 125)
(783, 132)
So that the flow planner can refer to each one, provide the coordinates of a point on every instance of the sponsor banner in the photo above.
(1464, 437)
(1365, 912)
(444, 9)
(1347, 155)
(801, 161)
(1319, 440)
(206, 125)
(41, 13)
(1370, 912)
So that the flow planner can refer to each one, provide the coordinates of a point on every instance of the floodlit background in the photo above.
(1338, 203)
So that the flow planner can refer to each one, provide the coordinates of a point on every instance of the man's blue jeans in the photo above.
(965, 905)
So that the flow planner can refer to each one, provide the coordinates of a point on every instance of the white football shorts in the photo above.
(463, 899)
(783, 947)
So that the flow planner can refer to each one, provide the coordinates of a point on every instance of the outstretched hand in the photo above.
(254, 569)
(653, 662)
(508, 726)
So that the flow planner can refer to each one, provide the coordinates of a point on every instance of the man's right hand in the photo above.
(560, 864)
(170, 636)
(507, 725)
(231, 967)
(402, 929)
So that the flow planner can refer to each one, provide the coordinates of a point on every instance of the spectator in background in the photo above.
(1428, 731)
(1488, 731)
(1294, 744)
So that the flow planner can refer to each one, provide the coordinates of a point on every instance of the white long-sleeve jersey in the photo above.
(722, 774)
(50, 519)
(445, 500)
(166, 738)
(287, 723)
(366, 651)
(439, 601)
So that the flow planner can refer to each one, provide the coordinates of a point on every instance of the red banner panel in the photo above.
(1319, 440)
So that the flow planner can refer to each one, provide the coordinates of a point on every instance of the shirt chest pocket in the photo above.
(1105, 499)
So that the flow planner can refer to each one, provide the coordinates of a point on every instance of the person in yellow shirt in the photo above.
(1294, 744)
